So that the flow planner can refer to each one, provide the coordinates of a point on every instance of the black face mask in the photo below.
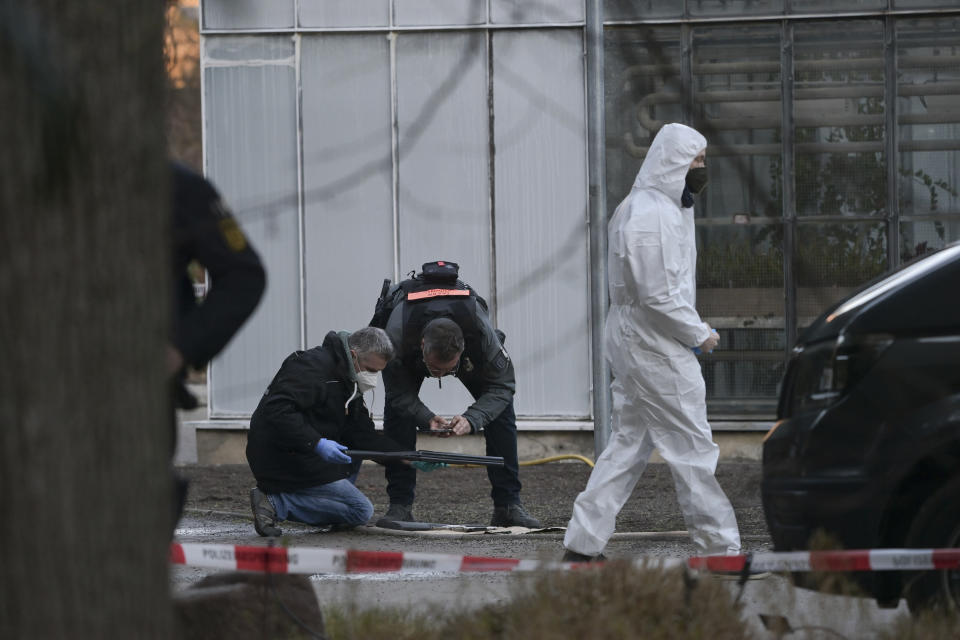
(697, 180)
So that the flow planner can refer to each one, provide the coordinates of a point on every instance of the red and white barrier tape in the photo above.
(311, 560)
(314, 560)
(854, 560)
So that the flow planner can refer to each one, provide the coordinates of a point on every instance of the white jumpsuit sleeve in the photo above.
(657, 271)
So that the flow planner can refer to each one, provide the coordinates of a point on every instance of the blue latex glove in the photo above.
(420, 465)
(698, 350)
(332, 451)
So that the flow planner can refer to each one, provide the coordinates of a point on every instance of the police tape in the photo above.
(310, 560)
(843, 561)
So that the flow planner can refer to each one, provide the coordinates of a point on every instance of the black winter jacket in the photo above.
(485, 370)
(204, 230)
(305, 402)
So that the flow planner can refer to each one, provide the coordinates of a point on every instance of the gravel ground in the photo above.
(461, 496)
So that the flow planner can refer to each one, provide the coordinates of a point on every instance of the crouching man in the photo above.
(312, 411)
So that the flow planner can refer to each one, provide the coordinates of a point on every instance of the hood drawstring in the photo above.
(352, 396)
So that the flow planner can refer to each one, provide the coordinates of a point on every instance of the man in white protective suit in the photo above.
(652, 329)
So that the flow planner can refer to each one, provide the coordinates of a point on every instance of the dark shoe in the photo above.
(264, 515)
(513, 515)
(396, 513)
(573, 556)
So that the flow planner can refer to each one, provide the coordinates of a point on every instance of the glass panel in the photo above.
(923, 4)
(920, 238)
(642, 86)
(743, 373)
(832, 260)
(247, 14)
(541, 201)
(832, 6)
(440, 12)
(839, 111)
(928, 87)
(736, 84)
(641, 9)
(734, 8)
(740, 293)
(344, 13)
(347, 178)
(737, 107)
(244, 49)
(251, 155)
(526, 12)
(443, 147)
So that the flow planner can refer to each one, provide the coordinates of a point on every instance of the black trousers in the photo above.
(501, 439)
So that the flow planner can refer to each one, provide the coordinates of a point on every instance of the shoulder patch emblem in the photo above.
(501, 360)
(232, 234)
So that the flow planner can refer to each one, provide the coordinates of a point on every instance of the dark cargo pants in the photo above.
(501, 440)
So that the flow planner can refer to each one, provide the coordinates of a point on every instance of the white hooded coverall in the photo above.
(659, 396)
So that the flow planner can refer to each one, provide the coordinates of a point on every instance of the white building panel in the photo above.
(541, 216)
(344, 13)
(347, 179)
(527, 12)
(440, 12)
(443, 150)
(248, 14)
(251, 156)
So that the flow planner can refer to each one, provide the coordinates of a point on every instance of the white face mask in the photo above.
(367, 380)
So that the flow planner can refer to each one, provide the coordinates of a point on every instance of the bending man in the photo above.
(441, 328)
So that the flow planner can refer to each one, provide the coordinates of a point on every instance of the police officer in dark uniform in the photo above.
(441, 327)
(203, 230)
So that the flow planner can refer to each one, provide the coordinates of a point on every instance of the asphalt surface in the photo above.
(461, 495)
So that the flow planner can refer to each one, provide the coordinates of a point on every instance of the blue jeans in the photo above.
(333, 503)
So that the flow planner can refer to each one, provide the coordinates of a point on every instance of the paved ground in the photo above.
(461, 496)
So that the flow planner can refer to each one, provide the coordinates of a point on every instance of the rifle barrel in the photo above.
(426, 456)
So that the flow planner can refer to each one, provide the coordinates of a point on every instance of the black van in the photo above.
(867, 442)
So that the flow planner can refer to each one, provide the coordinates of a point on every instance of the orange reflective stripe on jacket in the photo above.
(437, 293)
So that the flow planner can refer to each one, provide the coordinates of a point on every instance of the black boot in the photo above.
(264, 515)
(396, 513)
(573, 556)
(513, 515)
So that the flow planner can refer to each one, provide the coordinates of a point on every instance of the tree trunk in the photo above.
(84, 298)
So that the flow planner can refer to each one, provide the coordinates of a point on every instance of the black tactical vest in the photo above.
(429, 296)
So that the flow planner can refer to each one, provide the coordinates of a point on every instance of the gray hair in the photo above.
(371, 341)
(442, 338)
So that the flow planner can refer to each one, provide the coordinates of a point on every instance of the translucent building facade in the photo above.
(357, 139)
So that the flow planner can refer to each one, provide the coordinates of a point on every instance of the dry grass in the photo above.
(929, 625)
(615, 601)
(378, 624)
